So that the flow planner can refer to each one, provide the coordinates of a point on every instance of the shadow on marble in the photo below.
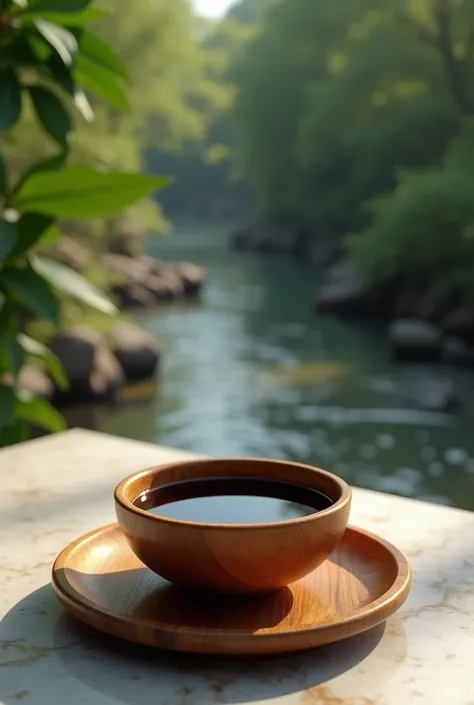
(47, 657)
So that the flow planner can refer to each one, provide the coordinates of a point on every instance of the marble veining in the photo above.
(56, 488)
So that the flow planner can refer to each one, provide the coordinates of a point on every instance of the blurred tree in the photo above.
(207, 182)
(332, 98)
(170, 91)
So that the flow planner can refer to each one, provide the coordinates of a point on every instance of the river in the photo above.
(252, 371)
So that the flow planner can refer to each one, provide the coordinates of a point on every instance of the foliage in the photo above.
(333, 98)
(206, 182)
(425, 227)
(169, 91)
(49, 61)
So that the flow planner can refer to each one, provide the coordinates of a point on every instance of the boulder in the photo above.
(460, 323)
(144, 280)
(136, 350)
(133, 271)
(70, 252)
(323, 253)
(92, 370)
(242, 239)
(155, 266)
(414, 339)
(107, 376)
(192, 277)
(457, 352)
(433, 394)
(268, 239)
(277, 240)
(414, 300)
(345, 294)
(124, 237)
(35, 381)
(76, 354)
(133, 296)
(166, 286)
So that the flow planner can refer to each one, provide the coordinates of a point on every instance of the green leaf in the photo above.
(39, 412)
(99, 52)
(3, 177)
(50, 164)
(69, 282)
(30, 228)
(15, 432)
(13, 352)
(67, 6)
(24, 51)
(48, 238)
(101, 82)
(63, 76)
(61, 73)
(59, 5)
(8, 238)
(39, 46)
(83, 106)
(7, 405)
(52, 114)
(10, 99)
(80, 191)
(74, 19)
(33, 291)
(5, 311)
(61, 39)
(49, 359)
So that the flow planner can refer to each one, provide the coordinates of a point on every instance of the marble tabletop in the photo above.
(56, 488)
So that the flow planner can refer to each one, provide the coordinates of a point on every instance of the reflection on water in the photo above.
(227, 509)
(254, 372)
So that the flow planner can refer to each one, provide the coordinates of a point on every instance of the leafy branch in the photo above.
(51, 58)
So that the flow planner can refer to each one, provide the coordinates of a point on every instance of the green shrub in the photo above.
(424, 229)
(49, 61)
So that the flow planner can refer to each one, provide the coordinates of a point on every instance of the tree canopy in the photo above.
(338, 103)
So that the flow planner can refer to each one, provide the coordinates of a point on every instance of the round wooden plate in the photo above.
(99, 580)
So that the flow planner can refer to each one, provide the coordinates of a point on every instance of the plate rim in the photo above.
(360, 620)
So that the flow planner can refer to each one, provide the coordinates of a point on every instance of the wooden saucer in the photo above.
(99, 580)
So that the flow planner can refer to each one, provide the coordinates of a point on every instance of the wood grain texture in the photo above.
(231, 558)
(100, 580)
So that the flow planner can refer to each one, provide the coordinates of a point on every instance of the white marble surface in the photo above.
(56, 488)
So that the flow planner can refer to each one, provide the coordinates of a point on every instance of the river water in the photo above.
(252, 371)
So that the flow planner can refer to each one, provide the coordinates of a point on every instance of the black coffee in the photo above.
(233, 500)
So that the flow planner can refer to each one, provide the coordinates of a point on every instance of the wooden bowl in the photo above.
(233, 558)
(100, 581)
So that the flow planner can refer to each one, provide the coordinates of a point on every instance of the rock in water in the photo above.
(433, 394)
(71, 253)
(136, 350)
(413, 339)
(75, 350)
(133, 296)
(36, 382)
(93, 372)
(457, 352)
(460, 323)
(344, 294)
(193, 277)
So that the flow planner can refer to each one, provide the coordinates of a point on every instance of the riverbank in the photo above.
(421, 325)
(254, 371)
(100, 355)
